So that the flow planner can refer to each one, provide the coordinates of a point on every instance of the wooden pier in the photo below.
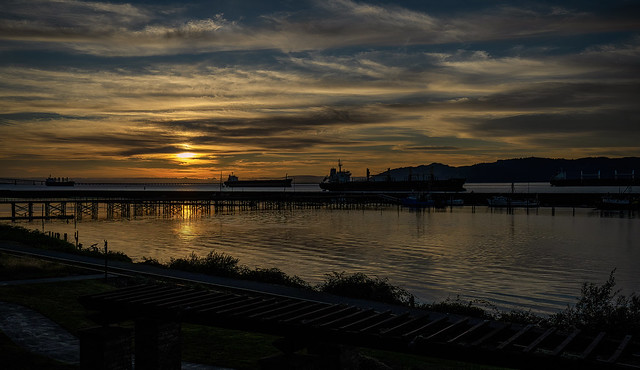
(48, 205)
(94, 204)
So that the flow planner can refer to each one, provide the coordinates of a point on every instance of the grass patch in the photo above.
(37, 239)
(24, 267)
(415, 362)
(57, 301)
(224, 347)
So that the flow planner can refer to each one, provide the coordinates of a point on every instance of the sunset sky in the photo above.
(199, 88)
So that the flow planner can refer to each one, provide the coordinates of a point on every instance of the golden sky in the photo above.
(195, 89)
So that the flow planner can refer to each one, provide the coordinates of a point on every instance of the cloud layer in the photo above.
(128, 87)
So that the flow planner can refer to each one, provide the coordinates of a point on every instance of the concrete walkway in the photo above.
(38, 334)
(33, 331)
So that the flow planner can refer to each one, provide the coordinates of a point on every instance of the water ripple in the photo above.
(536, 260)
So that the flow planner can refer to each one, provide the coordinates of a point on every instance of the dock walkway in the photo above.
(94, 204)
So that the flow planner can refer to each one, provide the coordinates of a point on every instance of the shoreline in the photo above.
(447, 351)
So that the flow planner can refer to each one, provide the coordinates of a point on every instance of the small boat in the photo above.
(233, 182)
(59, 181)
(610, 202)
(418, 201)
(454, 202)
(502, 201)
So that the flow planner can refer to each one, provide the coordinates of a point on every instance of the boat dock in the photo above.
(78, 204)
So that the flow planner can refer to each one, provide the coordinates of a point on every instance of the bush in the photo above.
(274, 276)
(601, 308)
(459, 307)
(520, 317)
(361, 286)
(214, 263)
(150, 261)
(98, 253)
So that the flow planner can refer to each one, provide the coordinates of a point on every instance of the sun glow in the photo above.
(186, 155)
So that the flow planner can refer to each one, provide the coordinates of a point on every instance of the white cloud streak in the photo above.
(129, 30)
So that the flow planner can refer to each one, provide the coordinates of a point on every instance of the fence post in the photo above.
(106, 254)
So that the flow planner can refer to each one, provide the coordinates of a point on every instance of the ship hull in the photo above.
(286, 183)
(434, 185)
(60, 183)
(595, 182)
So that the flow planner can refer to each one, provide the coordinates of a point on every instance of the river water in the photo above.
(526, 259)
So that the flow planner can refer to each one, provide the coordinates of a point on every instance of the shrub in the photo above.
(214, 263)
(361, 286)
(111, 255)
(274, 276)
(150, 261)
(189, 263)
(460, 307)
(601, 308)
(520, 317)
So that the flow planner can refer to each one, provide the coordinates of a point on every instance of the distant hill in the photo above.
(522, 170)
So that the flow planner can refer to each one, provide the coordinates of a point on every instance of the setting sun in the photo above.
(186, 155)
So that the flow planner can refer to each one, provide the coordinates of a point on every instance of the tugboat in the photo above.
(340, 180)
(59, 181)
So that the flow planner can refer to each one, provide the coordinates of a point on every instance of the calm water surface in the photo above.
(534, 259)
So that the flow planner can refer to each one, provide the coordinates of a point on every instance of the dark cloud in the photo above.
(13, 118)
(608, 123)
(280, 133)
(118, 144)
(284, 144)
(430, 148)
(140, 150)
(560, 95)
(605, 143)
(270, 125)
